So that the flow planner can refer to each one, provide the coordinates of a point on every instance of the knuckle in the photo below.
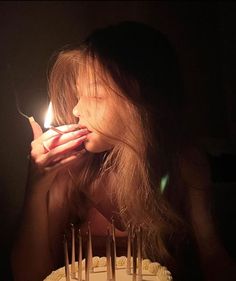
(40, 162)
(33, 155)
(33, 143)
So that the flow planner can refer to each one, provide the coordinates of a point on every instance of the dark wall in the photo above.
(30, 32)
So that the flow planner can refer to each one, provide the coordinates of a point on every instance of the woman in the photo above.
(126, 156)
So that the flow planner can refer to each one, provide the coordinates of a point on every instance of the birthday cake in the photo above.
(151, 271)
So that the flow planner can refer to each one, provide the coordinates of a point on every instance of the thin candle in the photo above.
(73, 252)
(87, 261)
(129, 251)
(134, 248)
(108, 254)
(114, 239)
(67, 273)
(140, 254)
(113, 260)
(80, 257)
(90, 251)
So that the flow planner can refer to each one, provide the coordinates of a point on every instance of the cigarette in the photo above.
(56, 130)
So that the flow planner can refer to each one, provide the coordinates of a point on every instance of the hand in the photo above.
(52, 151)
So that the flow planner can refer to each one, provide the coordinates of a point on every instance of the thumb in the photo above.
(37, 130)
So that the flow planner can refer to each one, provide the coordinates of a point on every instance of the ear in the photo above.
(37, 130)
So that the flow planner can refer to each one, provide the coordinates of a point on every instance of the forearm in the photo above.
(51, 155)
(31, 258)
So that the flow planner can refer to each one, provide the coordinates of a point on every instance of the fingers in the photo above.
(66, 162)
(64, 129)
(43, 144)
(51, 148)
(43, 159)
(60, 139)
(37, 130)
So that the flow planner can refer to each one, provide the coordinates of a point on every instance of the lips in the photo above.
(84, 127)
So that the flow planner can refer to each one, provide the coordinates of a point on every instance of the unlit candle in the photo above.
(114, 239)
(108, 254)
(113, 260)
(80, 257)
(87, 262)
(134, 248)
(73, 252)
(66, 260)
(129, 251)
(140, 254)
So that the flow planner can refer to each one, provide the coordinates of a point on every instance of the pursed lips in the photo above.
(84, 127)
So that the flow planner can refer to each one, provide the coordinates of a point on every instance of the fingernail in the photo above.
(84, 130)
(79, 132)
(76, 126)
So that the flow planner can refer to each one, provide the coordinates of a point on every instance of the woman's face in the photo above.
(97, 110)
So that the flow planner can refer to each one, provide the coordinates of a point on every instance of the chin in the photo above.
(94, 147)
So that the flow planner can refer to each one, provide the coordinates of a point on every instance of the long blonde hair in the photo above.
(146, 153)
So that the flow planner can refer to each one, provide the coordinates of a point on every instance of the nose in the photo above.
(75, 111)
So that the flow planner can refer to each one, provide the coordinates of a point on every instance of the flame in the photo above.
(48, 117)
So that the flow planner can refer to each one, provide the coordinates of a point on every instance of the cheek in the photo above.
(94, 113)
(102, 116)
(86, 112)
(114, 126)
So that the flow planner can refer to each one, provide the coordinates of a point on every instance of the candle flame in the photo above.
(48, 117)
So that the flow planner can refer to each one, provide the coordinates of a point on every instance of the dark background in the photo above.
(205, 38)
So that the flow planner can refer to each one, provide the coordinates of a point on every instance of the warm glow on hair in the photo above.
(136, 189)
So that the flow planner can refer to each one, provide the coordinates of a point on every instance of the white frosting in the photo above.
(145, 263)
(153, 267)
(102, 262)
(96, 261)
(151, 271)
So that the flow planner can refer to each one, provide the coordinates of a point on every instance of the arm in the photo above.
(216, 263)
(31, 258)
(31, 255)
